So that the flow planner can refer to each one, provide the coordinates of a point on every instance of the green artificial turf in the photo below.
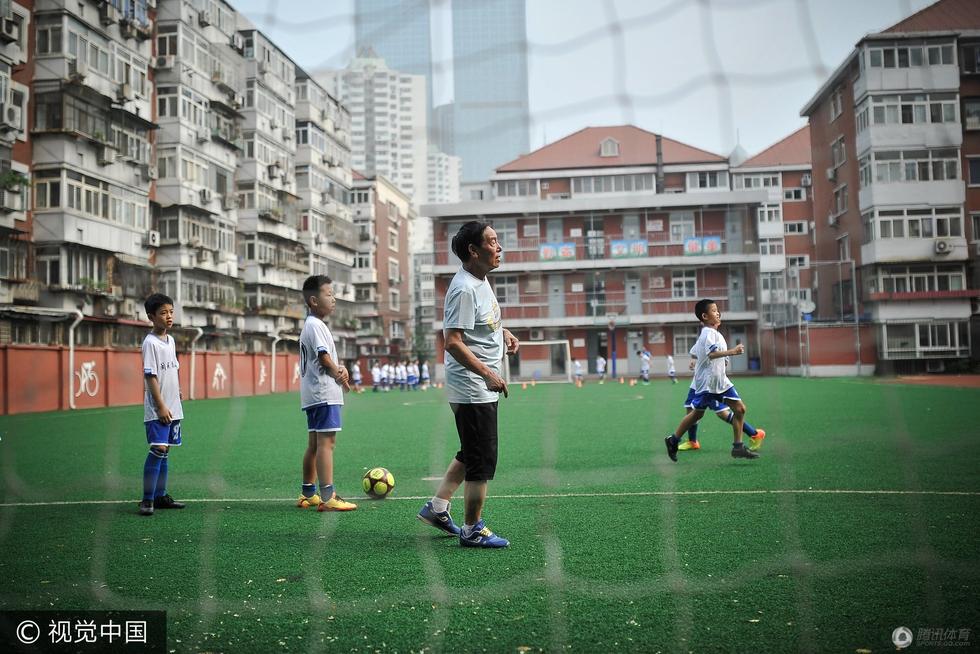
(614, 548)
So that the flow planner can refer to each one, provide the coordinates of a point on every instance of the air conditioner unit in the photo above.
(203, 136)
(537, 335)
(205, 195)
(832, 174)
(229, 201)
(125, 91)
(806, 180)
(327, 160)
(129, 308)
(111, 309)
(325, 198)
(318, 239)
(942, 246)
(273, 124)
(263, 68)
(237, 100)
(152, 239)
(11, 117)
(164, 62)
(194, 242)
(204, 256)
(287, 134)
(833, 219)
(214, 320)
(204, 18)
(107, 155)
(151, 172)
(10, 31)
(238, 42)
(127, 28)
(108, 14)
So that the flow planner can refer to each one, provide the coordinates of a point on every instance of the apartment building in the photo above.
(383, 215)
(610, 235)
(895, 143)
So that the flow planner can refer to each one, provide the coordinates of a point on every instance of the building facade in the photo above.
(382, 269)
(894, 139)
(608, 246)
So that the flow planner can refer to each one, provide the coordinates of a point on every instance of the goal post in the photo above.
(541, 362)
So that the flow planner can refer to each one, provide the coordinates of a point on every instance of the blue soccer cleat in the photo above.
(441, 520)
(481, 536)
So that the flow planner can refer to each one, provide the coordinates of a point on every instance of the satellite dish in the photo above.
(807, 306)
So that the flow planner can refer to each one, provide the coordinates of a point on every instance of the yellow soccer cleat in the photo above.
(305, 502)
(755, 442)
(689, 445)
(336, 503)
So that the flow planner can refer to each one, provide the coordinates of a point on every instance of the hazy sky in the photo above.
(699, 71)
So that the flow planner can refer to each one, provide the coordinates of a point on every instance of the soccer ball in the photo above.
(378, 482)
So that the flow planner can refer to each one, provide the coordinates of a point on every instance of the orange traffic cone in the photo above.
(524, 386)
(622, 380)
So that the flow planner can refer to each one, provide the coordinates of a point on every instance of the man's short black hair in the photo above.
(155, 301)
(312, 285)
(470, 233)
(701, 308)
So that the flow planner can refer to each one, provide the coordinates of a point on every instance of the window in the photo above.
(506, 289)
(506, 233)
(975, 218)
(907, 56)
(794, 194)
(797, 227)
(836, 104)
(840, 200)
(844, 248)
(800, 261)
(393, 238)
(393, 271)
(516, 188)
(911, 166)
(838, 152)
(612, 183)
(684, 339)
(971, 113)
(971, 59)
(974, 163)
(914, 109)
(770, 213)
(770, 246)
(773, 281)
(609, 148)
(707, 180)
(684, 284)
(681, 226)
(394, 299)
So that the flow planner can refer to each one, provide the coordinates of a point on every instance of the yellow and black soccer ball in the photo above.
(378, 482)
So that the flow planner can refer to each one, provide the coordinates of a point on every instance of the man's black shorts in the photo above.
(477, 428)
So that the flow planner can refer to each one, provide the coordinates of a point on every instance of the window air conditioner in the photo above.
(205, 195)
(806, 180)
(537, 335)
(942, 246)
(11, 117)
(153, 238)
(10, 31)
(204, 18)
(164, 62)
(832, 174)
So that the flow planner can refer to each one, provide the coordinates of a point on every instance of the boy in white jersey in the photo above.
(375, 377)
(162, 411)
(671, 370)
(322, 384)
(644, 365)
(424, 375)
(711, 383)
(356, 376)
(600, 368)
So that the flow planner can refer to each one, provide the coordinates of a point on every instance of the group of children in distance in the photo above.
(323, 381)
(407, 375)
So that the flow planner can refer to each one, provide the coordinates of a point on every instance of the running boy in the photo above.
(711, 382)
(162, 411)
(322, 385)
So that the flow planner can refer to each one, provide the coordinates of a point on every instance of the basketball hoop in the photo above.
(612, 321)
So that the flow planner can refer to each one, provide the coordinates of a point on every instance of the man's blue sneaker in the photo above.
(481, 536)
(441, 520)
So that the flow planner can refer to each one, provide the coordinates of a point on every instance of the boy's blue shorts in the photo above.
(323, 417)
(719, 407)
(713, 401)
(158, 433)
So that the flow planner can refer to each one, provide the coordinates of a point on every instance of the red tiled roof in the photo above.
(945, 15)
(356, 174)
(637, 147)
(794, 150)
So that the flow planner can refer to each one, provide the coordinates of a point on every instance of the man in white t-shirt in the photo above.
(475, 346)
(600, 368)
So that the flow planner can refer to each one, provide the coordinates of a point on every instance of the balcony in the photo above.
(900, 194)
(917, 78)
(907, 250)
(884, 296)
(364, 276)
(919, 135)
(651, 306)
(610, 252)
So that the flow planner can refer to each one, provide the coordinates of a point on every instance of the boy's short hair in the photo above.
(312, 286)
(153, 303)
(701, 308)
(470, 233)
